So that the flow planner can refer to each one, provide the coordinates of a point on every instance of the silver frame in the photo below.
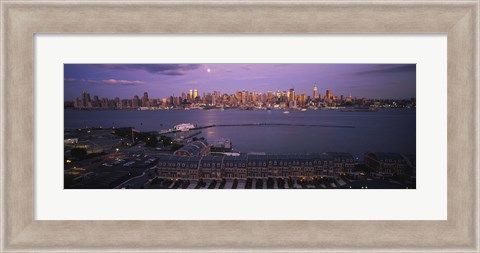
(22, 19)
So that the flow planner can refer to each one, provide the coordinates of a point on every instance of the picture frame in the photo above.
(21, 20)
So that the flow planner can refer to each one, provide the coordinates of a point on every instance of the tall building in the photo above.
(269, 96)
(328, 94)
(135, 102)
(118, 104)
(145, 102)
(292, 95)
(195, 94)
(105, 103)
(190, 95)
(302, 100)
(315, 92)
(86, 100)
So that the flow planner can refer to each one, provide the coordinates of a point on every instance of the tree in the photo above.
(151, 141)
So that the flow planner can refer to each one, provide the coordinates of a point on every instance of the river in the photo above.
(388, 130)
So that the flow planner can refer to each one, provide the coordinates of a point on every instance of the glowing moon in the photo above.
(208, 70)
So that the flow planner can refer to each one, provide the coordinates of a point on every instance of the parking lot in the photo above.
(115, 169)
(249, 183)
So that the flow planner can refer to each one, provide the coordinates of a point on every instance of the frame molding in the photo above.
(22, 19)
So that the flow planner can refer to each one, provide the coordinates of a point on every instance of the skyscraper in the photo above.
(145, 102)
(135, 102)
(302, 100)
(328, 94)
(315, 92)
(195, 94)
(86, 100)
(292, 96)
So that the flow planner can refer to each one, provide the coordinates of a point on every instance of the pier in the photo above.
(274, 124)
(168, 131)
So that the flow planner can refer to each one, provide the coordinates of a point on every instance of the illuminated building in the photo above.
(328, 94)
(292, 95)
(302, 100)
(252, 166)
(145, 102)
(135, 102)
(86, 100)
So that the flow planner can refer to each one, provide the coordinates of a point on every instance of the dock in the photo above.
(256, 124)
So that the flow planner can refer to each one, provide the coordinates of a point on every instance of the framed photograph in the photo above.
(133, 142)
(239, 126)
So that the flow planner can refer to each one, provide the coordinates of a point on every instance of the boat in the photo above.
(184, 127)
(286, 112)
(304, 110)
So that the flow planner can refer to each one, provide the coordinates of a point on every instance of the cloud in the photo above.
(389, 69)
(160, 69)
(107, 81)
(124, 82)
(377, 84)
(74, 80)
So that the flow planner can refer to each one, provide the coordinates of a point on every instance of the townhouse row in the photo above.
(255, 166)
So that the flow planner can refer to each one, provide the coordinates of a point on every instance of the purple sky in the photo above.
(395, 81)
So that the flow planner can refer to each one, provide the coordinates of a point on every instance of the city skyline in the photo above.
(380, 81)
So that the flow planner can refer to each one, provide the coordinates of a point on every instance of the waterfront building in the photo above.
(315, 92)
(228, 167)
(167, 166)
(189, 167)
(296, 169)
(220, 144)
(386, 163)
(343, 162)
(211, 167)
(257, 166)
(196, 148)
(179, 167)
(278, 166)
(330, 164)
(306, 162)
